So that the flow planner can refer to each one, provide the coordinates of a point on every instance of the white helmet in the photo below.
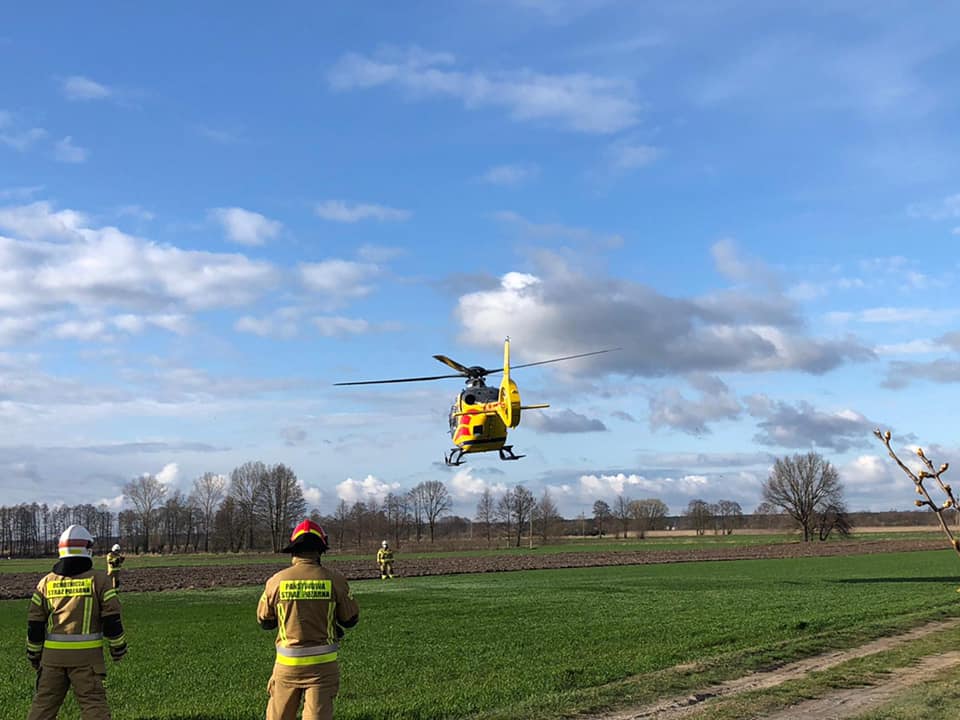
(115, 548)
(75, 541)
(383, 544)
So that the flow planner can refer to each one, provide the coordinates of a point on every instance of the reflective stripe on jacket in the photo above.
(73, 610)
(306, 600)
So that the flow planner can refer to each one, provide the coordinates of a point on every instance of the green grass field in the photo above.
(512, 645)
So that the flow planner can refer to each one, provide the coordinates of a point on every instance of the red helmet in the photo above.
(307, 536)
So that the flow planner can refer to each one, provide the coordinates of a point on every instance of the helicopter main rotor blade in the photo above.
(568, 357)
(398, 380)
(463, 369)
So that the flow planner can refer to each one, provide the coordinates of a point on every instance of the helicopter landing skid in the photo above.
(506, 453)
(454, 457)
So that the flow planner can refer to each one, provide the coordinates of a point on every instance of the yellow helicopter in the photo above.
(481, 415)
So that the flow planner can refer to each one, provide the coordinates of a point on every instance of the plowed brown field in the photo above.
(21, 585)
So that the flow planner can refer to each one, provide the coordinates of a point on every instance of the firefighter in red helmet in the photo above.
(73, 613)
(309, 605)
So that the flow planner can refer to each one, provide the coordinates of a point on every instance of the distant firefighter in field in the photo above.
(309, 605)
(73, 610)
(385, 561)
(114, 561)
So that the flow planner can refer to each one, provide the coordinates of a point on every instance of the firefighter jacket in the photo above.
(114, 561)
(308, 604)
(384, 555)
(69, 618)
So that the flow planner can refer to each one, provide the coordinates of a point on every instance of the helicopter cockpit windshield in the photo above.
(479, 395)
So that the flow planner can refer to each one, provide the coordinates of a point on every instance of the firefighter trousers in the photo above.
(52, 686)
(285, 699)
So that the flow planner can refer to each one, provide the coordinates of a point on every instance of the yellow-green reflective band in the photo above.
(281, 624)
(87, 614)
(309, 660)
(110, 594)
(34, 647)
(114, 642)
(82, 645)
(37, 600)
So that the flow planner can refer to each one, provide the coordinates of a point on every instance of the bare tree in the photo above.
(504, 513)
(246, 484)
(647, 514)
(279, 503)
(486, 512)
(417, 503)
(803, 485)
(521, 505)
(395, 507)
(146, 494)
(434, 501)
(621, 511)
(208, 491)
(730, 515)
(358, 518)
(546, 514)
(700, 516)
(833, 516)
(341, 517)
(601, 513)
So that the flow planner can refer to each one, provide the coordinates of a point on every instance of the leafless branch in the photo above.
(929, 472)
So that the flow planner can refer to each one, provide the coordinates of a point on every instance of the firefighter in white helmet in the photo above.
(72, 612)
(114, 560)
(309, 604)
(385, 561)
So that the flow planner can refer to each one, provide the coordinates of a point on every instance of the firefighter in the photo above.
(114, 561)
(72, 611)
(309, 605)
(385, 561)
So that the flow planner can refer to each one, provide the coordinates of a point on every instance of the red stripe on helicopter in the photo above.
(465, 423)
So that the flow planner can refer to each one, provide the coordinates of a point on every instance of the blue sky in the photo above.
(208, 218)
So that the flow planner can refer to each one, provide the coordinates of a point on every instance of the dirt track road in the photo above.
(841, 704)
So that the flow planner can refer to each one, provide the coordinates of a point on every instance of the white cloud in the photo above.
(62, 262)
(282, 323)
(558, 231)
(78, 87)
(465, 486)
(353, 491)
(606, 486)
(81, 330)
(66, 152)
(579, 101)
(564, 421)
(313, 495)
(626, 156)
(339, 211)
(169, 474)
(339, 279)
(566, 312)
(339, 326)
(246, 227)
(22, 140)
(732, 265)
(510, 175)
(114, 503)
(669, 408)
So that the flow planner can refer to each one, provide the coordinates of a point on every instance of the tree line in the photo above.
(254, 508)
